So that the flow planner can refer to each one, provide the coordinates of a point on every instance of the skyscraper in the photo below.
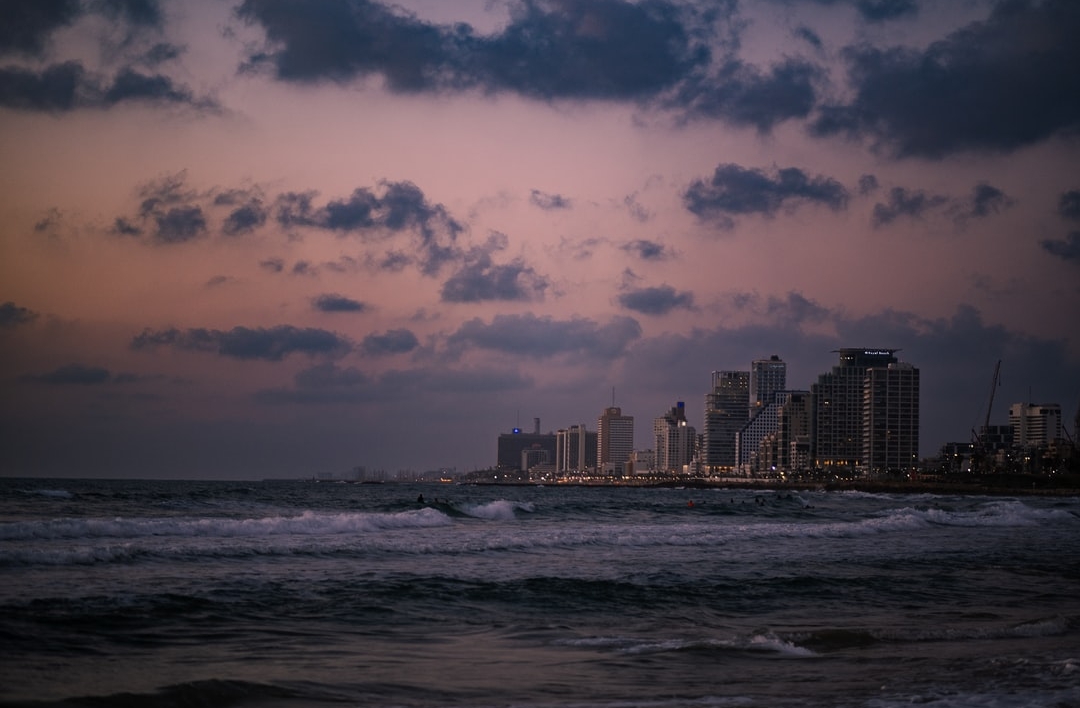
(837, 408)
(575, 449)
(890, 418)
(726, 412)
(615, 440)
(767, 377)
(674, 439)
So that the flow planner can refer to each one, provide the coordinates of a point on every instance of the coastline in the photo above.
(989, 485)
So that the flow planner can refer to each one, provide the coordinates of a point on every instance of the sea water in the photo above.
(180, 593)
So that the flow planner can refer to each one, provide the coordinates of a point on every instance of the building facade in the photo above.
(837, 408)
(615, 440)
(575, 449)
(517, 448)
(727, 410)
(890, 419)
(767, 378)
(675, 440)
(1035, 425)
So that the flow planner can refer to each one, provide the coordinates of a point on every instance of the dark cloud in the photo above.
(735, 190)
(25, 25)
(338, 303)
(72, 374)
(274, 265)
(244, 218)
(882, 10)
(601, 49)
(328, 384)
(162, 52)
(903, 202)
(131, 85)
(809, 36)
(1069, 205)
(270, 344)
(394, 261)
(180, 224)
(54, 89)
(789, 311)
(542, 337)
(549, 50)
(137, 12)
(401, 207)
(1067, 249)
(169, 212)
(394, 341)
(796, 309)
(324, 384)
(995, 85)
(987, 200)
(483, 280)
(868, 184)
(480, 278)
(68, 86)
(656, 300)
(49, 222)
(549, 202)
(879, 10)
(123, 227)
(741, 94)
(648, 250)
(12, 315)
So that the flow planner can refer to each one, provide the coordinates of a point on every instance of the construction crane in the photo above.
(978, 438)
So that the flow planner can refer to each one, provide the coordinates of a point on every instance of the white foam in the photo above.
(307, 523)
(52, 493)
(763, 643)
(500, 510)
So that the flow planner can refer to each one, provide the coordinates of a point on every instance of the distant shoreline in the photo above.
(989, 487)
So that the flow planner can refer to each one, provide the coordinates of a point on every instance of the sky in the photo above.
(277, 238)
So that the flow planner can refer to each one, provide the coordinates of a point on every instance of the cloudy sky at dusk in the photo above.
(280, 237)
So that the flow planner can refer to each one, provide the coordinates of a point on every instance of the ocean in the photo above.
(294, 593)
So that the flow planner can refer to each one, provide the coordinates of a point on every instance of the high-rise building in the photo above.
(837, 408)
(793, 431)
(726, 412)
(767, 378)
(1035, 424)
(890, 418)
(775, 426)
(512, 447)
(674, 440)
(575, 449)
(615, 440)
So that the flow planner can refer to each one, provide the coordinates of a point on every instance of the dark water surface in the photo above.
(302, 594)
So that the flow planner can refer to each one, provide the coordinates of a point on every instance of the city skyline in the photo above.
(263, 238)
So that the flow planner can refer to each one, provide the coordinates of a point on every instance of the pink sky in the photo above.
(280, 237)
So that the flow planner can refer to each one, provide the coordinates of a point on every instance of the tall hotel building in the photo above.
(855, 415)
(615, 440)
(891, 418)
(727, 409)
